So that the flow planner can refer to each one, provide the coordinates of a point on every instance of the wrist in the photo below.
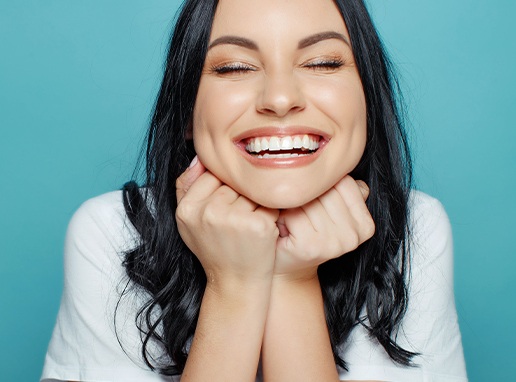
(238, 289)
(291, 289)
(304, 276)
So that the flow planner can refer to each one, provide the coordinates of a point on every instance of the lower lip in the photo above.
(288, 162)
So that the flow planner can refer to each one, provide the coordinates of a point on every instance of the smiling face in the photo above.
(280, 114)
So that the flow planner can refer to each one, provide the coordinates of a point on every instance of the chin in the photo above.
(283, 200)
(282, 192)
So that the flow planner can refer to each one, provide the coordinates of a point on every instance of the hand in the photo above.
(233, 237)
(333, 224)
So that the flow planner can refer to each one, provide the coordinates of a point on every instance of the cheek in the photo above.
(343, 102)
(219, 105)
(217, 108)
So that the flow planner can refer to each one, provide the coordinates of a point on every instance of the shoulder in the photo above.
(430, 233)
(103, 213)
(426, 212)
(429, 326)
(99, 226)
(98, 236)
(95, 336)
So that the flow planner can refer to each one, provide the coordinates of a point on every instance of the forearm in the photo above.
(228, 337)
(296, 344)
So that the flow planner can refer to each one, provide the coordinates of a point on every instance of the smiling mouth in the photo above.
(283, 147)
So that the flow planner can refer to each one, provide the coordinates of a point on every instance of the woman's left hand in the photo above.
(334, 224)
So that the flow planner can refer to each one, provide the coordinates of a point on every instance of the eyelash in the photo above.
(238, 68)
(234, 68)
(330, 64)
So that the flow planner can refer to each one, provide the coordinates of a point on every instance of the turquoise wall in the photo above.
(77, 83)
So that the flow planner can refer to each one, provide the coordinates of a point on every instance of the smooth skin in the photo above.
(261, 231)
(285, 66)
(263, 294)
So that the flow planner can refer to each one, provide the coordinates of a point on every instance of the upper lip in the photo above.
(275, 131)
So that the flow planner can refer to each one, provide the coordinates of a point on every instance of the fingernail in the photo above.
(194, 162)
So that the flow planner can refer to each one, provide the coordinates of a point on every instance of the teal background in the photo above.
(77, 83)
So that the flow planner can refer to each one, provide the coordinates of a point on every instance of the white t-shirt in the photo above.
(85, 346)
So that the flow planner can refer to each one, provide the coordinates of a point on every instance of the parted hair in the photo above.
(366, 287)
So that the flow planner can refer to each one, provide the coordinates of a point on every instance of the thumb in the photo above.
(187, 178)
(282, 226)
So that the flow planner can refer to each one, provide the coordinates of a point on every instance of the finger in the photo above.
(282, 226)
(317, 215)
(335, 207)
(187, 178)
(354, 198)
(297, 233)
(364, 189)
(225, 195)
(352, 192)
(244, 203)
(204, 186)
(296, 222)
(269, 213)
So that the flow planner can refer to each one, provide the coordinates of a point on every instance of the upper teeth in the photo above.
(306, 142)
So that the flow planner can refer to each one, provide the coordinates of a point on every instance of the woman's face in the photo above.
(280, 114)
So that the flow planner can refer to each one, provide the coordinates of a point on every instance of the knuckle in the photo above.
(179, 183)
(364, 189)
(261, 226)
(257, 226)
(225, 190)
(234, 219)
(352, 241)
(184, 211)
(369, 228)
(334, 247)
(210, 215)
(310, 253)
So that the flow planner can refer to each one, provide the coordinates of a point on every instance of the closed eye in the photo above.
(232, 68)
(331, 64)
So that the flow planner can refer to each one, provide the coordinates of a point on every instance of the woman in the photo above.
(291, 242)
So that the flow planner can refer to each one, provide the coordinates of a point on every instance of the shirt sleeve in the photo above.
(90, 342)
(430, 325)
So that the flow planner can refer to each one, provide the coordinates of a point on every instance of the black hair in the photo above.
(365, 287)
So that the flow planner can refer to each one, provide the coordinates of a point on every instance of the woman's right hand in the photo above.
(235, 241)
(233, 237)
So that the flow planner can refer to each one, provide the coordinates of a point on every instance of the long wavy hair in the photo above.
(365, 287)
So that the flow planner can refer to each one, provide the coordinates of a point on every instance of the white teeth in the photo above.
(257, 146)
(265, 144)
(274, 144)
(295, 155)
(298, 143)
(304, 142)
(286, 143)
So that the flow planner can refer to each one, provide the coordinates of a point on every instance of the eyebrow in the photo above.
(234, 40)
(318, 37)
(304, 43)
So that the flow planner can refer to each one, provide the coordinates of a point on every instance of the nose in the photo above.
(281, 95)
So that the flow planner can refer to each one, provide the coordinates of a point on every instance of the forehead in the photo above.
(273, 19)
